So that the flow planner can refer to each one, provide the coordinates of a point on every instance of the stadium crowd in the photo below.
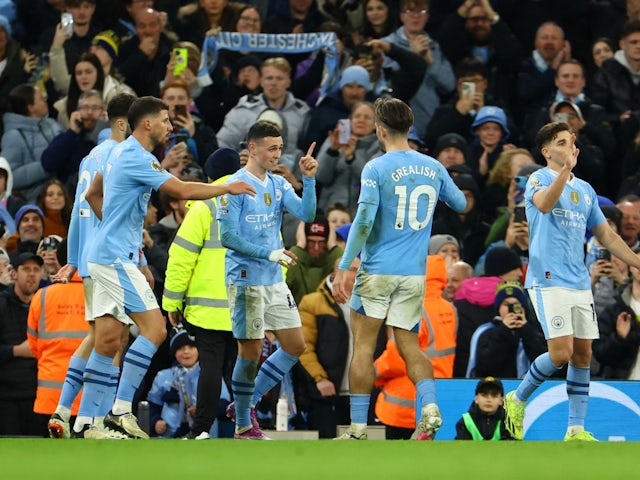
(481, 78)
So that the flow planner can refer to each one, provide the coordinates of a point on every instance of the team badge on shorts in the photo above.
(149, 294)
(267, 199)
(291, 302)
(257, 324)
(557, 322)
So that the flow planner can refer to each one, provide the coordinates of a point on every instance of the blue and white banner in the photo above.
(281, 43)
(613, 413)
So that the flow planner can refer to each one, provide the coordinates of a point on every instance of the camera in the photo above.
(468, 89)
(50, 243)
(180, 110)
(515, 308)
(603, 254)
(344, 131)
(365, 51)
(243, 145)
(561, 117)
(180, 61)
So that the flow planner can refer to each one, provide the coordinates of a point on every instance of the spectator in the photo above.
(340, 164)
(497, 349)
(629, 205)
(491, 132)
(487, 38)
(439, 79)
(143, 57)
(65, 152)
(186, 121)
(87, 75)
(617, 347)
(456, 274)
(467, 226)
(275, 81)
(601, 50)
(30, 230)
(27, 133)
(446, 246)
(485, 418)
(56, 327)
(9, 203)
(315, 261)
(18, 63)
(197, 19)
(105, 45)
(127, 10)
(474, 300)
(380, 19)
(65, 48)
(535, 78)
(451, 149)
(353, 86)
(18, 376)
(54, 200)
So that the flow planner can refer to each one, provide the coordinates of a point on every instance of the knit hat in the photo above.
(464, 181)
(30, 207)
(572, 105)
(491, 114)
(439, 241)
(451, 140)
(509, 289)
(109, 41)
(247, 61)
(489, 384)
(355, 74)
(224, 161)
(4, 23)
(343, 231)
(318, 228)
(179, 338)
(500, 260)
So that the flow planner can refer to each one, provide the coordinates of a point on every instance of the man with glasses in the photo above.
(65, 152)
(438, 79)
(485, 37)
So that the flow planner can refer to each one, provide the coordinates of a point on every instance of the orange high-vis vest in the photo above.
(55, 327)
(437, 337)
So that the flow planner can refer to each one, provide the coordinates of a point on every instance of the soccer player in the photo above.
(119, 196)
(259, 299)
(81, 235)
(560, 208)
(392, 228)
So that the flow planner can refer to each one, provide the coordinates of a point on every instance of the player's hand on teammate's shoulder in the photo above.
(239, 187)
(308, 164)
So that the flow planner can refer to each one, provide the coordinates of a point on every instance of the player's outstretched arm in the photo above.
(203, 191)
(614, 243)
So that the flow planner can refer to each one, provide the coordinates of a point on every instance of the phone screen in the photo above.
(180, 111)
(180, 61)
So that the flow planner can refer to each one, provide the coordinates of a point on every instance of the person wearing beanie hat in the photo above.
(561, 207)
(29, 230)
(222, 162)
(490, 132)
(451, 149)
(355, 74)
(485, 418)
(446, 246)
(499, 346)
(503, 262)
(107, 41)
(174, 394)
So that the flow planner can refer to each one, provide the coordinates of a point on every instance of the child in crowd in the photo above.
(485, 418)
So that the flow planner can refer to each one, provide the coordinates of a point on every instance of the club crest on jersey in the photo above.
(587, 199)
(156, 166)
(534, 182)
(575, 198)
(267, 199)
(278, 194)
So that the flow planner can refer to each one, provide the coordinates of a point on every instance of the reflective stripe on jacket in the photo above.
(55, 328)
(195, 270)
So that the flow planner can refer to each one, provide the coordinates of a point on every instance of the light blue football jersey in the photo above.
(556, 239)
(250, 226)
(84, 222)
(404, 187)
(129, 175)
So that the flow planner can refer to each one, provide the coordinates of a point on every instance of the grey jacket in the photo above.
(23, 142)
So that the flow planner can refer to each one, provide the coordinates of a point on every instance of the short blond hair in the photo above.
(280, 63)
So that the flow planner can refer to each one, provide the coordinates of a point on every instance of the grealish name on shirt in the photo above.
(413, 170)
